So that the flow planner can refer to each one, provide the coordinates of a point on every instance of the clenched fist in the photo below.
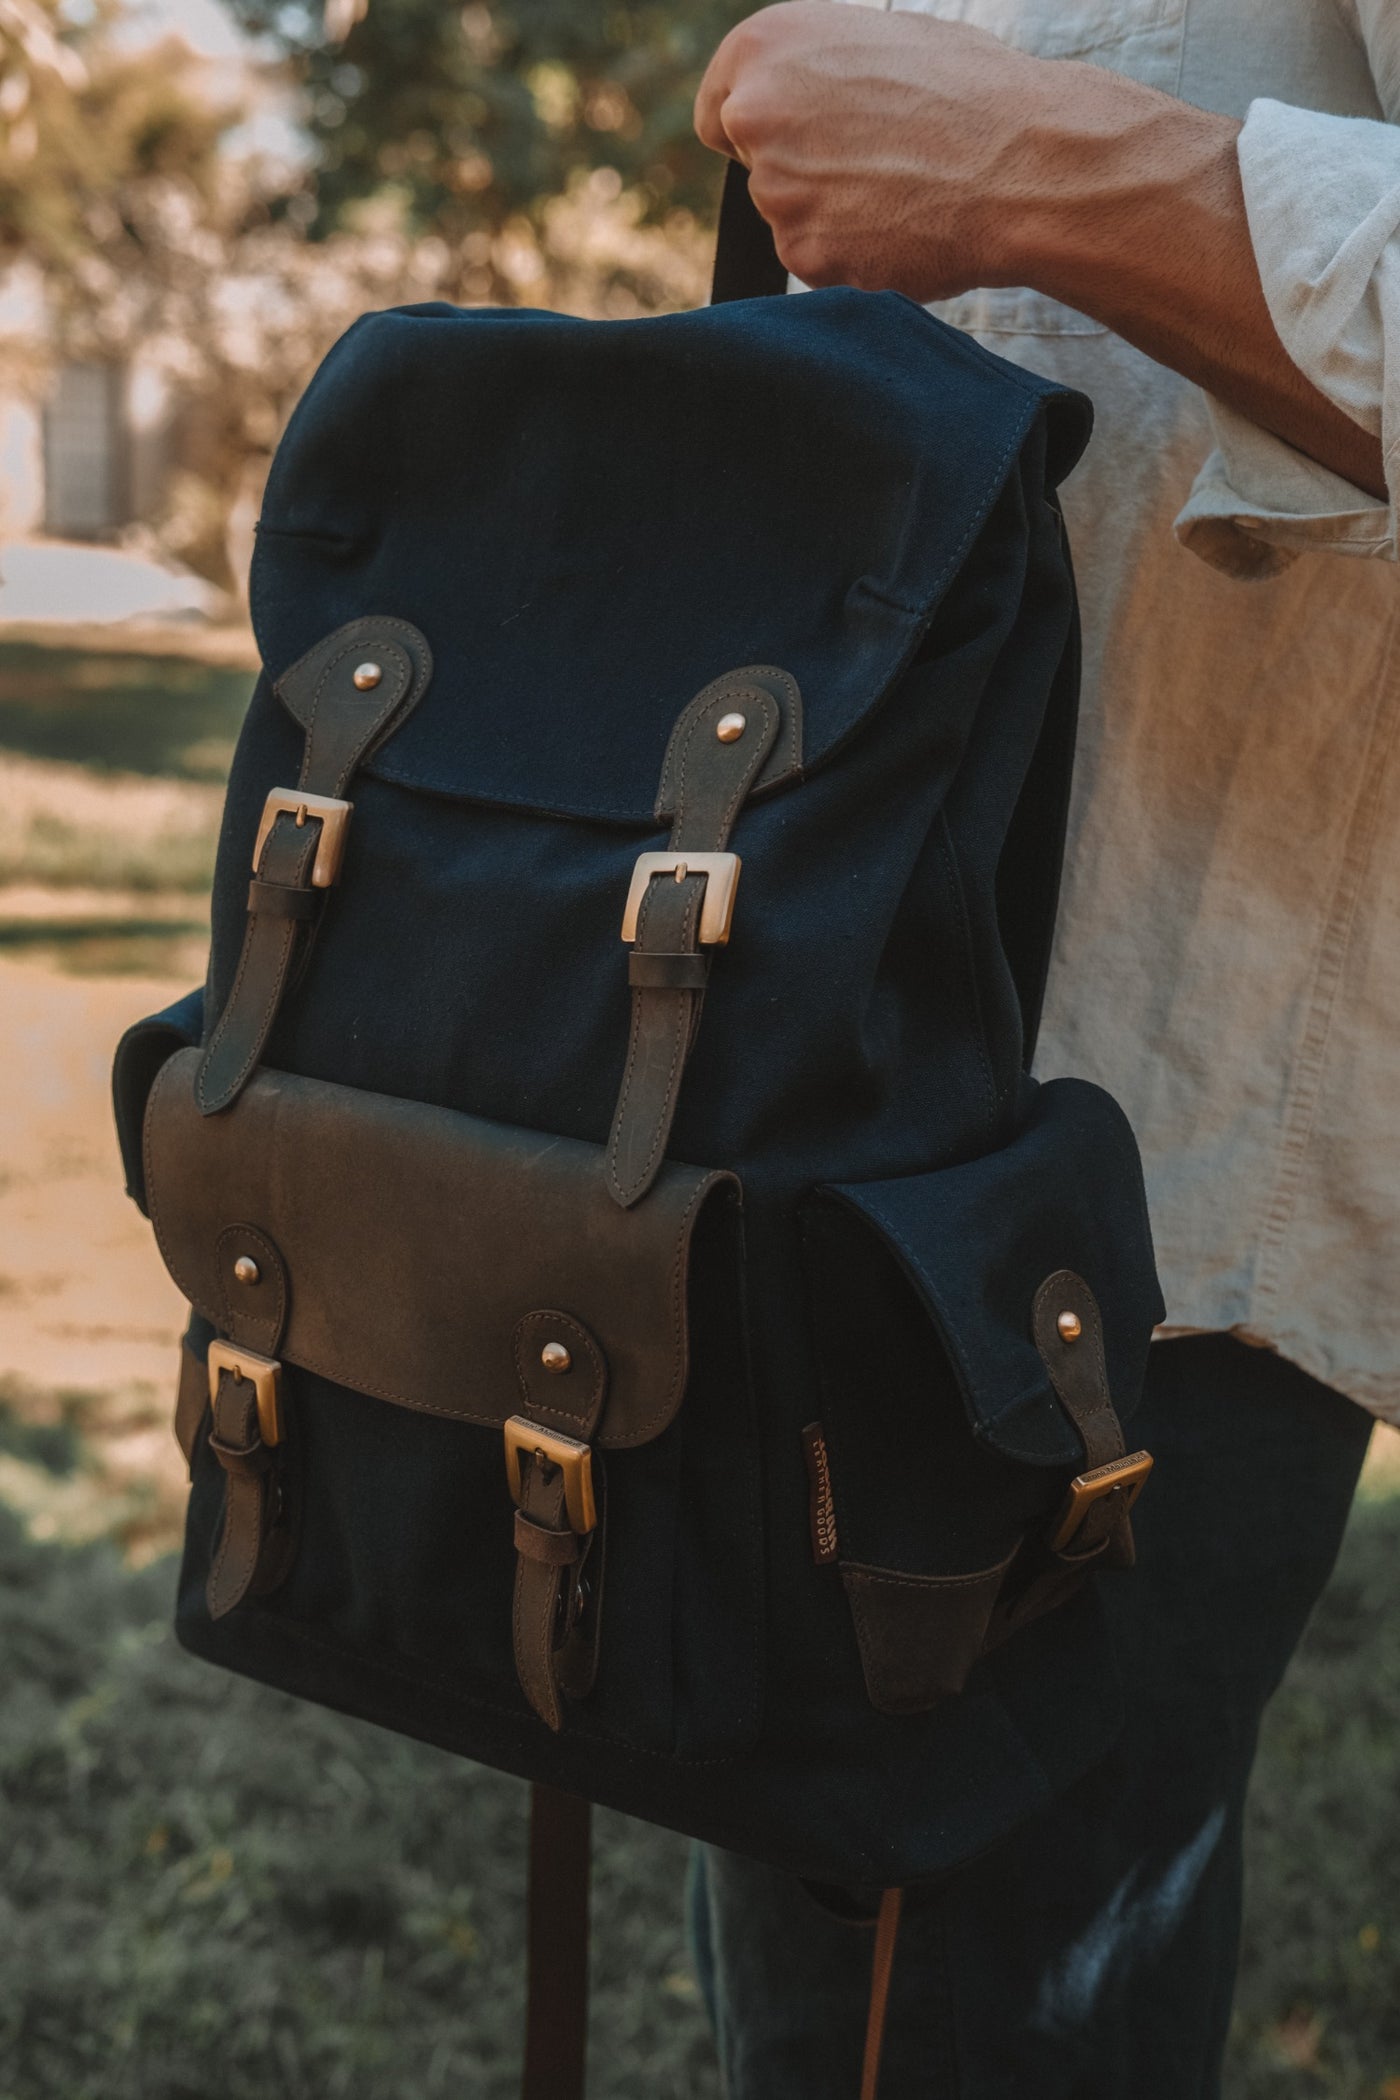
(885, 150)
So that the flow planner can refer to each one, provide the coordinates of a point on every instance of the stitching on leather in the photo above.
(536, 1666)
(1102, 1399)
(772, 719)
(347, 1376)
(727, 688)
(269, 1013)
(681, 1019)
(358, 632)
(890, 1578)
(289, 934)
(595, 1358)
(273, 1321)
(388, 707)
(244, 1568)
(221, 1028)
(353, 1382)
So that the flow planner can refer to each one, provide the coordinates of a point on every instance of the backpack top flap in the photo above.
(591, 520)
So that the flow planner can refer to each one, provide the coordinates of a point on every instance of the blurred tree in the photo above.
(469, 115)
(533, 150)
(109, 165)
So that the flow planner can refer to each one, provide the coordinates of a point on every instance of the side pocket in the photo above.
(139, 1056)
(948, 1448)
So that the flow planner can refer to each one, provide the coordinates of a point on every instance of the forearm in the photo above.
(1130, 208)
(891, 150)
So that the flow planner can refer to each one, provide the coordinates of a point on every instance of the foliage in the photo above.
(110, 169)
(473, 114)
(538, 151)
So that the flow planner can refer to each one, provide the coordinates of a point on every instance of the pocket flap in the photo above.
(976, 1242)
(416, 1240)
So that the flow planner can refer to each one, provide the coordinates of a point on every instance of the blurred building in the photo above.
(86, 448)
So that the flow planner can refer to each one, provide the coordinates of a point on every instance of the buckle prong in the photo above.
(525, 1438)
(1122, 1476)
(721, 872)
(334, 816)
(263, 1373)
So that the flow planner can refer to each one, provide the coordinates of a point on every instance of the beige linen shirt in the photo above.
(1228, 954)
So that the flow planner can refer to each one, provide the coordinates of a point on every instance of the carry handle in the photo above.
(746, 261)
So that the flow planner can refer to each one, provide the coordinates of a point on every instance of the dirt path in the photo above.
(86, 1308)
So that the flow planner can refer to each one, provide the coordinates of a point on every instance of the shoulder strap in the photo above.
(746, 262)
(556, 2017)
(351, 691)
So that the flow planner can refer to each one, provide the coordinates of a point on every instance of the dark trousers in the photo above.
(1092, 1955)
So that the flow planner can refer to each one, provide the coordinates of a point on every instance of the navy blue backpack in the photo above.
(648, 1330)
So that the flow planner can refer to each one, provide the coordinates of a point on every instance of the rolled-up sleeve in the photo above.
(1323, 198)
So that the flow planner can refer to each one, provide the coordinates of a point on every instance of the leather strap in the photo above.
(257, 1541)
(1078, 1371)
(746, 261)
(881, 1970)
(556, 2015)
(251, 1504)
(705, 780)
(344, 721)
(1047, 1573)
(555, 1616)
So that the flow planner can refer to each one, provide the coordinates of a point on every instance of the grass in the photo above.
(212, 1891)
(111, 764)
(118, 710)
(1318, 2008)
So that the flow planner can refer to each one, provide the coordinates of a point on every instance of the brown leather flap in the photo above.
(415, 1240)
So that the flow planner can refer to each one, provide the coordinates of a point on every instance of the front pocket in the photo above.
(947, 1446)
(462, 1308)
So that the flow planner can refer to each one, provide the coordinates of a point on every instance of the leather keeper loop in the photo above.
(278, 900)
(557, 1549)
(250, 1462)
(669, 973)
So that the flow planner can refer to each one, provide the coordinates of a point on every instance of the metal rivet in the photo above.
(367, 677)
(1070, 1326)
(247, 1270)
(729, 728)
(555, 1357)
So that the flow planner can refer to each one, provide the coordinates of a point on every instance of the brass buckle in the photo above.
(1125, 1476)
(330, 847)
(574, 1460)
(264, 1374)
(721, 871)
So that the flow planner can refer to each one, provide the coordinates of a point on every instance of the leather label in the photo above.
(822, 1506)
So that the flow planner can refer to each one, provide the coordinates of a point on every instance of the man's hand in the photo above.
(899, 152)
(880, 145)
